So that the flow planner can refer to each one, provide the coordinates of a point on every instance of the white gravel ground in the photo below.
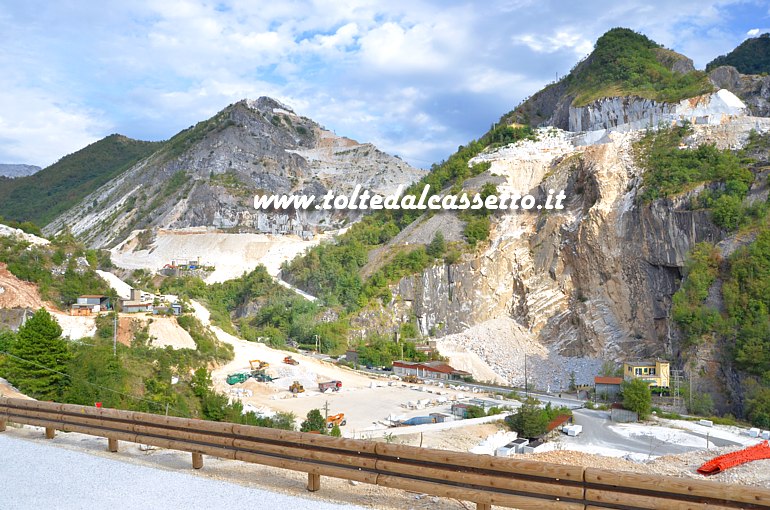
(34, 475)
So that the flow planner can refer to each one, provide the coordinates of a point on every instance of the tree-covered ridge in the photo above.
(46, 194)
(744, 323)
(626, 63)
(671, 168)
(752, 56)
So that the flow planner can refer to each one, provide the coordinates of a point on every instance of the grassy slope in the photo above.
(43, 196)
(625, 63)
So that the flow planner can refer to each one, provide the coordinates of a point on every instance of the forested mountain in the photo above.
(42, 196)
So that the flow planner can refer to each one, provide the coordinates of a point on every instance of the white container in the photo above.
(574, 430)
(766, 434)
(706, 423)
(754, 432)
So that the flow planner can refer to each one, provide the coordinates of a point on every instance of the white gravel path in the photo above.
(36, 475)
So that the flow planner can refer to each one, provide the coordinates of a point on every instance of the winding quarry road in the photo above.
(597, 431)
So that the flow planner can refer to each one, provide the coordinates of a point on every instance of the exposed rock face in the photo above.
(8, 170)
(208, 176)
(754, 90)
(630, 113)
(595, 279)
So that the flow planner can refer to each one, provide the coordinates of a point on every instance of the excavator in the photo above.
(258, 365)
(290, 361)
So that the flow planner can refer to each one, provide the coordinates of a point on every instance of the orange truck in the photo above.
(336, 419)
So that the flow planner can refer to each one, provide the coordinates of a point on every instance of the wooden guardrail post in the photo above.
(197, 460)
(2, 425)
(112, 445)
(483, 506)
(313, 482)
(50, 432)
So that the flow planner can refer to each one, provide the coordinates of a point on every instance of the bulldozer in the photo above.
(258, 364)
(336, 419)
(296, 387)
(290, 361)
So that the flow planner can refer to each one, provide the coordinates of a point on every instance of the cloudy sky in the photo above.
(417, 78)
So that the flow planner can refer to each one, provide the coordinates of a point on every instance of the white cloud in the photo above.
(559, 40)
(37, 129)
(415, 77)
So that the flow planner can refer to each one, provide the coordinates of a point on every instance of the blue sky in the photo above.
(417, 78)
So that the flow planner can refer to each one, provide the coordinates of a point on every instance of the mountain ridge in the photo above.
(17, 170)
(207, 176)
(54, 189)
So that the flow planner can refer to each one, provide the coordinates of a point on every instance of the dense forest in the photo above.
(41, 197)
(751, 57)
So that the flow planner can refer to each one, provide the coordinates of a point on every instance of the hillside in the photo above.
(752, 56)
(623, 63)
(7, 170)
(42, 196)
(208, 175)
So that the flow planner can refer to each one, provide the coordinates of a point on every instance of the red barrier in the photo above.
(723, 462)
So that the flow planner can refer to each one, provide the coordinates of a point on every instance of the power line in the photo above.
(140, 399)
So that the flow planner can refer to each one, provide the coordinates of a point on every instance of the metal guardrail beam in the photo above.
(482, 479)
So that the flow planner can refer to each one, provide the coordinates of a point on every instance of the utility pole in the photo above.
(115, 334)
(326, 410)
(316, 344)
(526, 381)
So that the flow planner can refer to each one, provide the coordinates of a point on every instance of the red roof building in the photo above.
(428, 370)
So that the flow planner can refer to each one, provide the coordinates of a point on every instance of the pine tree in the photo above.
(39, 358)
(315, 422)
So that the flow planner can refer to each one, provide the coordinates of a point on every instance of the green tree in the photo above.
(758, 406)
(475, 412)
(437, 246)
(314, 422)
(529, 420)
(335, 431)
(39, 358)
(700, 403)
(637, 397)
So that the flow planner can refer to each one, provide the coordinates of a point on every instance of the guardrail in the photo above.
(481, 479)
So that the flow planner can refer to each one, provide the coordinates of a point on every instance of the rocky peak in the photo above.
(207, 176)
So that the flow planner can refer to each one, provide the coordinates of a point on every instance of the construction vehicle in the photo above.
(296, 387)
(290, 361)
(336, 419)
(256, 364)
(412, 379)
(334, 385)
(261, 376)
(237, 378)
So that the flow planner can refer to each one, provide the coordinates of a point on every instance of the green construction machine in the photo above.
(237, 378)
(261, 376)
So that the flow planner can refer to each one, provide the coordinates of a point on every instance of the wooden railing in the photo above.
(482, 479)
